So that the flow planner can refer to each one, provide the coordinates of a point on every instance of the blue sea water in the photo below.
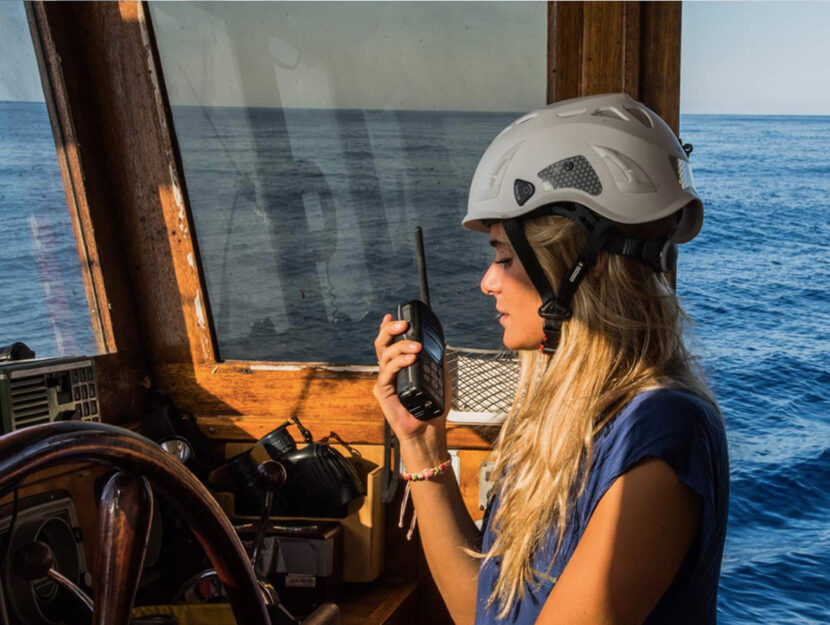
(43, 299)
(304, 220)
(758, 289)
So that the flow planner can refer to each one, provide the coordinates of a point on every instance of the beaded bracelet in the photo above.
(427, 474)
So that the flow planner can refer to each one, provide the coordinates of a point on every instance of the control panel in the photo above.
(44, 390)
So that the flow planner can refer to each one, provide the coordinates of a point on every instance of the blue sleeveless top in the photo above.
(687, 432)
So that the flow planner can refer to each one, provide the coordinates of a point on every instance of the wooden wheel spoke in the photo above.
(124, 514)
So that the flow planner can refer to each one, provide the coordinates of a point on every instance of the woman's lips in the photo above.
(502, 316)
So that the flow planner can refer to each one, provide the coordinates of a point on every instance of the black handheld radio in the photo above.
(421, 385)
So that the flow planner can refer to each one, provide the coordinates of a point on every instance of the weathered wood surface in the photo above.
(357, 431)
(243, 400)
(123, 387)
(564, 50)
(87, 191)
(388, 603)
(602, 47)
(138, 216)
(84, 163)
(660, 30)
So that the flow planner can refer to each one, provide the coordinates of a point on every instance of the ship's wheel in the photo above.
(125, 509)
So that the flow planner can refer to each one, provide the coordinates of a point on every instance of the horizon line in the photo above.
(425, 110)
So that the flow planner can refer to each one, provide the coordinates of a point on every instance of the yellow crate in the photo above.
(197, 614)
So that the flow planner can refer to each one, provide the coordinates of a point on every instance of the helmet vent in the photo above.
(641, 116)
(628, 175)
(571, 173)
(571, 113)
(610, 111)
(526, 118)
(490, 186)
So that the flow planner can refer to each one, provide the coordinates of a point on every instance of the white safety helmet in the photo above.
(600, 161)
(608, 153)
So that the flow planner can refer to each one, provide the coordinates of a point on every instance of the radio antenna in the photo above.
(422, 265)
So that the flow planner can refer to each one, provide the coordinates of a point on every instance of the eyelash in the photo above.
(504, 261)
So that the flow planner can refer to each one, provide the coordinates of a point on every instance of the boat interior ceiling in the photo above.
(224, 168)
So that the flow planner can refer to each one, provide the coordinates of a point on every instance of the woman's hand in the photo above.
(392, 357)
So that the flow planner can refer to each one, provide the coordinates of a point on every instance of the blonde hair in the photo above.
(625, 336)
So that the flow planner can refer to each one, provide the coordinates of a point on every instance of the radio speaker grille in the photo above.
(42, 390)
(29, 401)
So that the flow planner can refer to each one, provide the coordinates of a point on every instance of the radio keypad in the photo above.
(433, 375)
(84, 393)
(423, 391)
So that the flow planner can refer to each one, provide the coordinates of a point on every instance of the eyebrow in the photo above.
(498, 244)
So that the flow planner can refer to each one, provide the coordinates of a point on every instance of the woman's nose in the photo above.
(489, 281)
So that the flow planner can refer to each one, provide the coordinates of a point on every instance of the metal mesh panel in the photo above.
(483, 380)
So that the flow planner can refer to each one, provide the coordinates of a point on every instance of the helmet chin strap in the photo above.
(556, 307)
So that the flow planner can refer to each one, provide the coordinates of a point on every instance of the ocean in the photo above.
(305, 222)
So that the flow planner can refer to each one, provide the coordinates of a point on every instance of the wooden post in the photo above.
(602, 47)
(110, 86)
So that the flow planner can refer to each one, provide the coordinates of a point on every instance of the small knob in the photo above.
(270, 475)
(33, 561)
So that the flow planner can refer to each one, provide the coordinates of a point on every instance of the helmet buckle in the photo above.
(667, 258)
(552, 310)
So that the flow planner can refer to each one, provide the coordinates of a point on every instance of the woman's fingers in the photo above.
(396, 349)
(389, 328)
(394, 358)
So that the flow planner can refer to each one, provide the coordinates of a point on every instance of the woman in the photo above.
(584, 202)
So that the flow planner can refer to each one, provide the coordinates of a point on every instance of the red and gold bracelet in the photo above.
(427, 474)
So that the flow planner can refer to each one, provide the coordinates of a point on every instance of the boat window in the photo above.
(41, 288)
(316, 136)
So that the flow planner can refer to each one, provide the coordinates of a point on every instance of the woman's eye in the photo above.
(503, 261)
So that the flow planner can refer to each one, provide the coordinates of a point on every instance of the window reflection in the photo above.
(43, 298)
(316, 136)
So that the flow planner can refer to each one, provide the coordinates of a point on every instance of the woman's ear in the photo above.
(601, 264)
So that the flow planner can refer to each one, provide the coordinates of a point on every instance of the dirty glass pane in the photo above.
(42, 293)
(316, 136)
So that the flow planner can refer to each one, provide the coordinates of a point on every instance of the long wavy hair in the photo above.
(625, 337)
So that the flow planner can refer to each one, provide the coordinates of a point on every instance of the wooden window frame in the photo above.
(128, 200)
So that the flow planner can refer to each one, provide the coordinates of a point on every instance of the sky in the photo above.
(766, 58)
(19, 78)
(737, 57)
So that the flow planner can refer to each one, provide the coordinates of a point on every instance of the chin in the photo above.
(519, 344)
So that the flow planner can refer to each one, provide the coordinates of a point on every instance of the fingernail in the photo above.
(413, 346)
